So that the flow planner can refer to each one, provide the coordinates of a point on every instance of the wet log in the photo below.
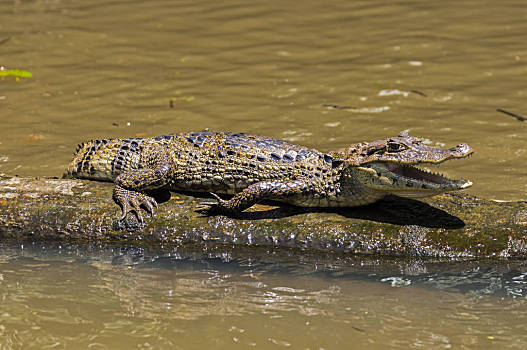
(452, 226)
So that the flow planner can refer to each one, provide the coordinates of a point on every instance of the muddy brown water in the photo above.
(130, 68)
(64, 296)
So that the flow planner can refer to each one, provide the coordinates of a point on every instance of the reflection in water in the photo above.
(203, 296)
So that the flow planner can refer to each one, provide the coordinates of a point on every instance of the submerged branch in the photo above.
(449, 226)
(514, 115)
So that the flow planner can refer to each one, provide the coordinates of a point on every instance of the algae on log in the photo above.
(449, 226)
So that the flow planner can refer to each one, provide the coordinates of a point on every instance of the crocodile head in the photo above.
(390, 166)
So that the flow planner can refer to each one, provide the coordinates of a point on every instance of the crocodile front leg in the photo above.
(131, 185)
(268, 190)
(131, 202)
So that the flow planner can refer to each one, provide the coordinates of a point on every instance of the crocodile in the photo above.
(254, 168)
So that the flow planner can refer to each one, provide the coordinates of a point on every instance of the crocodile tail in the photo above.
(79, 147)
(103, 159)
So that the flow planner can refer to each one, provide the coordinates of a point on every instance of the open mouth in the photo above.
(415, 173)
(410, 181)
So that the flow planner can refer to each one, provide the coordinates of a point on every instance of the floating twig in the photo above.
(514, 115)
(179, 99)
(3, 41)
(419, 93)
(330, 106)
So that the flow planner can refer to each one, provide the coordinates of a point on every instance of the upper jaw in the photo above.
(419, 153)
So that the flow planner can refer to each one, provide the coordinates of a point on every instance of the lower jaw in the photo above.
(417, 194)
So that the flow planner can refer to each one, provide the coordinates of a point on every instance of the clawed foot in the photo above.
(132, 202)
(210, 207)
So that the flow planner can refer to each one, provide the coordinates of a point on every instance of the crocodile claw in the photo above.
(210, 207)
(131, 202)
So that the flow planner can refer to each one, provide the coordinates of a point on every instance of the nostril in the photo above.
(462, 149)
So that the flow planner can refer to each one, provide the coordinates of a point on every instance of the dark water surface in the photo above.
(111, 68)
(63, 296)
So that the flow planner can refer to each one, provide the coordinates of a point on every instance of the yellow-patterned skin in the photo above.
(255, 168)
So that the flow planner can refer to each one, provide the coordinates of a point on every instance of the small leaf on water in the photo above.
(174, 100)
(18, 73)
(35, 137)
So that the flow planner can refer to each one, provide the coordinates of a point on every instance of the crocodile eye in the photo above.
(395, 147)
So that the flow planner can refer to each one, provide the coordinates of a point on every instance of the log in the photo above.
(450, 226)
